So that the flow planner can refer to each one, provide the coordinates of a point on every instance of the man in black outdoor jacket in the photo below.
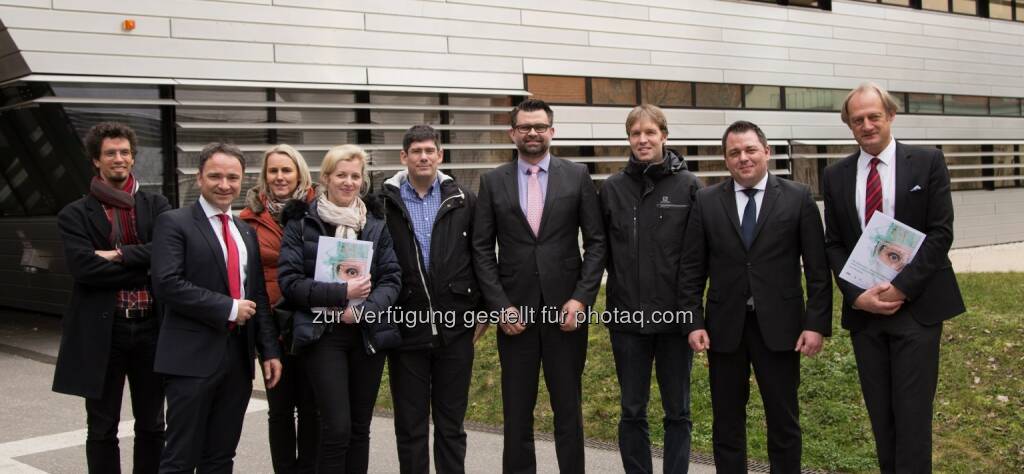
(430, 218)
(645, 208)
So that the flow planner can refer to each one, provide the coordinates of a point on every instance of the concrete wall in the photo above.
(988, 217)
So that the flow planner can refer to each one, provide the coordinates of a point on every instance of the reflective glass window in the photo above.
(719, 96)
(558, 89)
(666, 93)
(805, 98)
(762, 97)
(925, 103)
(965, 105)
(606, 91)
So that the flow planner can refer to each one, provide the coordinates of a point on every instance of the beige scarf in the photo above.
(349, 220)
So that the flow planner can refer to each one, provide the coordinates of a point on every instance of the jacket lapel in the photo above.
(772, 193)
(728, 200)
(556, 175)
(512, 189)
(203, 224)
(849, 189)
(904, 175)
(98, 218)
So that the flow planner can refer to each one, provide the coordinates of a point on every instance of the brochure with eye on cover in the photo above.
(886, 246)
(340, 260)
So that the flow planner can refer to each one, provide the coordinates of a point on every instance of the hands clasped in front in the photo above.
(569, 318)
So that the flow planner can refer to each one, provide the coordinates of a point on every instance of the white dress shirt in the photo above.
(886, 174)
(741, 204)
(243, 255)
(741, 197)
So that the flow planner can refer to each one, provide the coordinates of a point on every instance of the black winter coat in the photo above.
(646, 208)
(448, 290)
(89, 320)
(297, 265)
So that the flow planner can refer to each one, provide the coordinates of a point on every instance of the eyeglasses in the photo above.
(111, 153)
(525, 129)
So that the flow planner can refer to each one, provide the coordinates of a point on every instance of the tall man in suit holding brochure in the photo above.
(747, 237)
(207, 272)
(895, 327)
(536, 207)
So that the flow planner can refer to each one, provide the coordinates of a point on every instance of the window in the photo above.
(965, 105)
(558, 89)
(968, 7)
(925, 103)
(666, 93)
(936, 5)
(1005, 106)
(762, 97)
(825, 100)
(719, 96)
(1000, 9)
(606, 91)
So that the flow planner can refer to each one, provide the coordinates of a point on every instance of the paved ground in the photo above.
(992, 258)
(45, 432)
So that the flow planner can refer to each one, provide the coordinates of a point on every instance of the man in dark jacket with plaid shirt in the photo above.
(430, 218)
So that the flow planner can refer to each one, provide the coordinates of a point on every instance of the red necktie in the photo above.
(234, 275)
(873, 192)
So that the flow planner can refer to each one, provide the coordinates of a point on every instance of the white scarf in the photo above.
(349, 220)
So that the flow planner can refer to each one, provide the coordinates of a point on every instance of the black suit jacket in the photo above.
(788, 229)
(924, 202)
(190, 277)
(89, 319)
(546, 268)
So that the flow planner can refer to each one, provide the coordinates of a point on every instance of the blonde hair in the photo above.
(650, 112)
(890, 103)
(305, 179)
(345, 153)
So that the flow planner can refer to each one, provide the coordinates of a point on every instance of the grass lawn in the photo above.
(979, 408)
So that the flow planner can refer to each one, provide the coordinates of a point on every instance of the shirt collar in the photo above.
(544, 163)
(209, 209)
(434, 188)
(760, 186)
(887, 156)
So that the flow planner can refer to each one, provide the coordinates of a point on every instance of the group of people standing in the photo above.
(181, 302)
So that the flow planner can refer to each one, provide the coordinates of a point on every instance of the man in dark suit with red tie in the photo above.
(895, 327)
(207, 271)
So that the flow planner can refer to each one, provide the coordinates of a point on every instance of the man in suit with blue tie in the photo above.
(747, 238)
(895, 327)
(536, 207)
(206, 269)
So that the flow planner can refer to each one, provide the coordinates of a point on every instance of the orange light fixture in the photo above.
(128, 24)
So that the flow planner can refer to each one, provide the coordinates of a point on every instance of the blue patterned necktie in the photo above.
(749, 218)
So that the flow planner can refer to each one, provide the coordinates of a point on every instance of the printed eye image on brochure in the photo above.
(885, 247)
(340, 260)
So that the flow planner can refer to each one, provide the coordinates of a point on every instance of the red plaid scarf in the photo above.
(119, 205)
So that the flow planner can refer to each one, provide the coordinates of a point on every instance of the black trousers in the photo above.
(778, 378)
(563, 355)
(432, 383)
(132, 350)
(292, 420)
(898, 364)
(345, 381)
(205, 414)
(671, 357)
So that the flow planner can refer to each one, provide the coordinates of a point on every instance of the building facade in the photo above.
(317, 73)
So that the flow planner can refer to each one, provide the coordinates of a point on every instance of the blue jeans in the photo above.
(635, 354)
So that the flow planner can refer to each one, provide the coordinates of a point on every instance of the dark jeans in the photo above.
(345, 381)
(778, 378)
(293, 447)
(898, 364)
(132, 350)
(671, 356)
(432, 383)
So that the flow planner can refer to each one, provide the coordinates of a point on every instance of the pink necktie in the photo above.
(234, 274)
(534, 201)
